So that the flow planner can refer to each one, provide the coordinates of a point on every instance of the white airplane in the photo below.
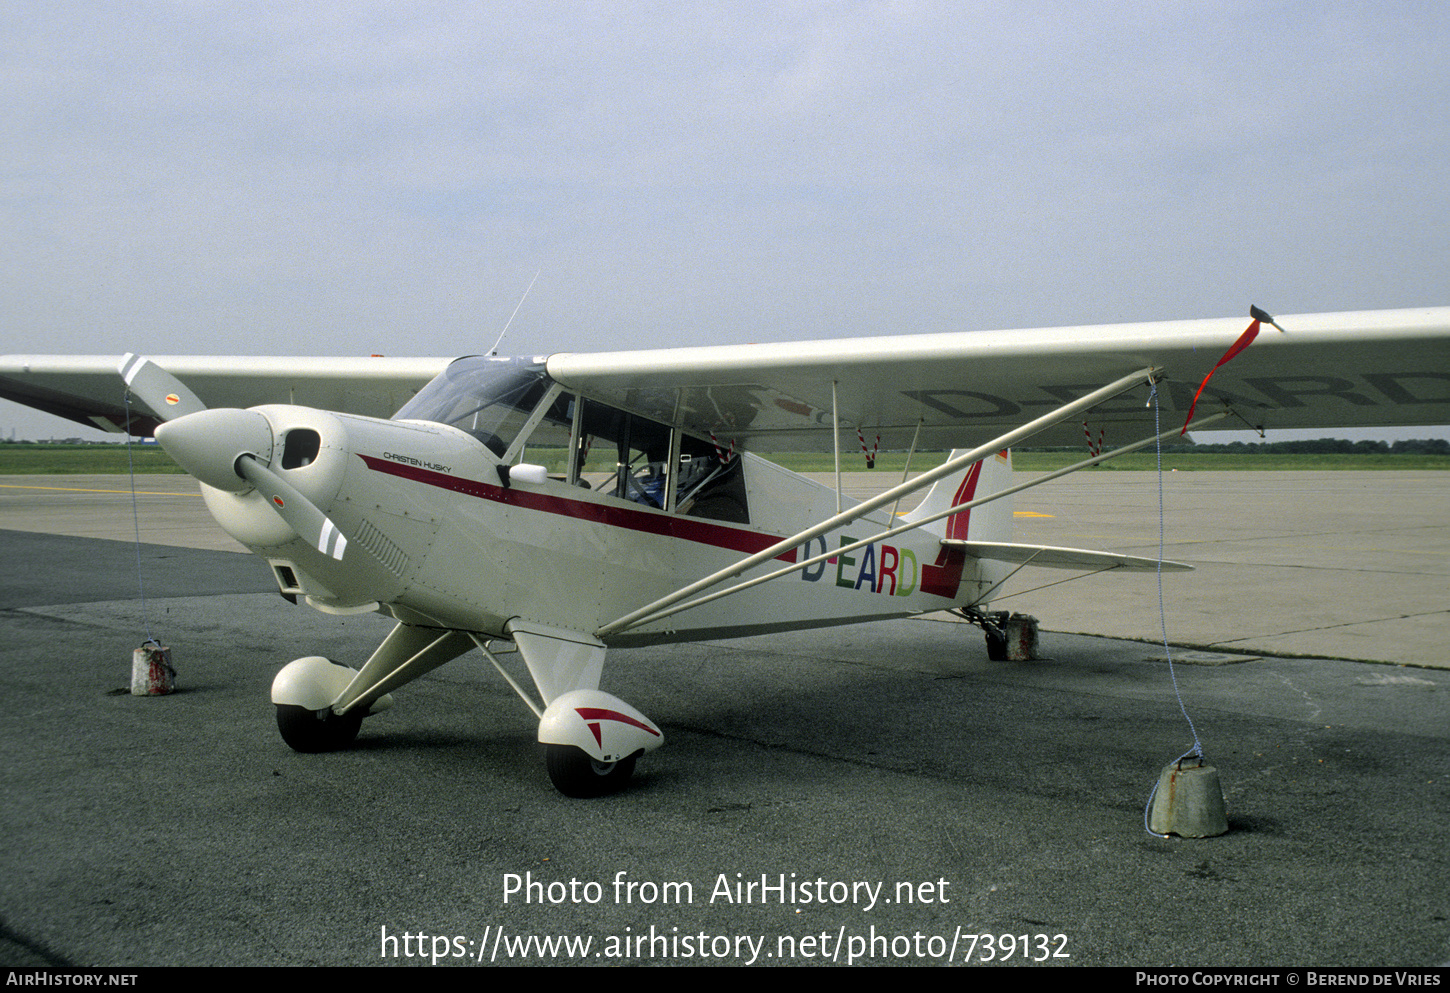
(559, 506)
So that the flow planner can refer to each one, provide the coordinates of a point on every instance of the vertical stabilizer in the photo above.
(990, 522)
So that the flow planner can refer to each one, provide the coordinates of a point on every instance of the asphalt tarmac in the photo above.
(887, 790)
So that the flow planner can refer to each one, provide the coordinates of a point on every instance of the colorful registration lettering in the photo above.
(877, 568)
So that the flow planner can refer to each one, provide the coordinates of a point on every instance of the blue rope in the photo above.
(136, 527)
(1197, 750)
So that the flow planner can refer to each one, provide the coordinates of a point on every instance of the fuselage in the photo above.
(445, 527)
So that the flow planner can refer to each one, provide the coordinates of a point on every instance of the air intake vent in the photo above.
(393, 558)
(300, 447)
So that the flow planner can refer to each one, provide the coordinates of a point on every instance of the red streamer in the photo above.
(1244, 341)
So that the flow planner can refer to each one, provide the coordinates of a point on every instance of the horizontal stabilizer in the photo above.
(1053, 557)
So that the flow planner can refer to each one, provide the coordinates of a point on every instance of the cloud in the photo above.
(268, 177)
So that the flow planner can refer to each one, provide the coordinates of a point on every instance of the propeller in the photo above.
(300, 513)
(166, 395)
(229, 449)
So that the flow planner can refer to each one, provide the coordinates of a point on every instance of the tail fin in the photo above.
(990, 522)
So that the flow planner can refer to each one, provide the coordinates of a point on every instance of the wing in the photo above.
(1364, 369)
(1372, 368)
(88, 388)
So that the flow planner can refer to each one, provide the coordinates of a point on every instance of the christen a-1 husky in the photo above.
(563, 505)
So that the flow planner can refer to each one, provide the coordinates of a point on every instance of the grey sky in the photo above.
(296, 178)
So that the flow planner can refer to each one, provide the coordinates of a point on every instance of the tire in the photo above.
(308, 731)
(575, 773)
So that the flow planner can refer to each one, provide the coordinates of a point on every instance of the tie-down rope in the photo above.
(1197, 750)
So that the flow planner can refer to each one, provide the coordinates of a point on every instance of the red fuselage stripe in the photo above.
(619, 515)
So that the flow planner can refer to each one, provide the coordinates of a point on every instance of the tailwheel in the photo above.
(316, 730)
(1010, 637)
(996, 645)
(574, 772)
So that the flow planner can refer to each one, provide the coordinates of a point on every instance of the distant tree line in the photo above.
(1328, 446)
(1320, 446)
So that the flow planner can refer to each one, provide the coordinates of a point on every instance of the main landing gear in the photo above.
(305, 691)
(592, 739)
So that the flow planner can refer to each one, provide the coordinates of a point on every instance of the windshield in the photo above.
(490, 398)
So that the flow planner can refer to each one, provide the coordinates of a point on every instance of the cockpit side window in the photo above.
(622, 454)
(711, 483)
(631, 457)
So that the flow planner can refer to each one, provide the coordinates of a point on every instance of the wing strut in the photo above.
(950, 512)
(656, 610)
(906, 470)
(836, 442)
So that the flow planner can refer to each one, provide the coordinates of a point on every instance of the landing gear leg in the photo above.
(591, 738)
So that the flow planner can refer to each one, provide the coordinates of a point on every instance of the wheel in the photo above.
(576, 773)
(312, 731)
(996, 646)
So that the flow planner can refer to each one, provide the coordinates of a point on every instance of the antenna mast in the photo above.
(494, 349)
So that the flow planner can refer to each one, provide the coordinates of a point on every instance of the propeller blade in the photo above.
(166, 395)
(300, 513)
